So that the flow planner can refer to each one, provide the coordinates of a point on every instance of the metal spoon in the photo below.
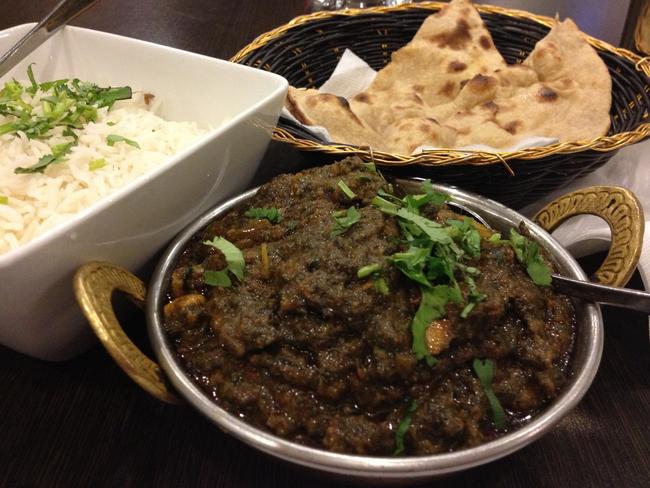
(593, 292)
(63, 13)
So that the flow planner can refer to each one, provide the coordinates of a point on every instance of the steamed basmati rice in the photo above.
(32, 204)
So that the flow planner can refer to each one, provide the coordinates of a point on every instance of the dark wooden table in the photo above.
(84, 423)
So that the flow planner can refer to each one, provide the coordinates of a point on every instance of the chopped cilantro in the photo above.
(485, 370)
(271, 214)
(30, 74)
(217, 278)
(381, 286)
(467, 309)
(343, 220)
(527, 253)
(370, 167)
(403, 427)
(111, 139)
(496, 237)
(346, 190)
(432, 307)
(95, 164)
(58, 151)
(366, 271)
(470, 239)
(433, 259)
(62, 103)
(234, 257)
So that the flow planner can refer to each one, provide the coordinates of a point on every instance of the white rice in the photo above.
(40, 201)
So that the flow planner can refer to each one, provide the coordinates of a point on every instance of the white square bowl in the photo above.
(38, 314)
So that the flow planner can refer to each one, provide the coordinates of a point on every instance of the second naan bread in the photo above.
(449, 88)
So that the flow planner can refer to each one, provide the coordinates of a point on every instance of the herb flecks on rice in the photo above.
(61, 152)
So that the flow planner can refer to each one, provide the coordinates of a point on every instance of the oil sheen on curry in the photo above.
(337, 313)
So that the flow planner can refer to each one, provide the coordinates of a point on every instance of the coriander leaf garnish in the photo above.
(30, 74)
(403, 427)
(4, 200)
(370, 167)
(432, 307)
(234, 257)
(433, 259)
(527, 253)
(217, 278)
(381, 286)
(346, 190)
(412, 263)
(379, 282)
(111, 139)
(470, 239)
(379, 202)
(496, 237)
(58, 152)
(106, 97)
(367, 270)
(63, 103)
(95, 164)
(68, 132)
(484, 370)
(437, 198)
(271, 214)
(343, 220)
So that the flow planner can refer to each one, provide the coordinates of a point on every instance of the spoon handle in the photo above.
(608, 295)
(63, 13)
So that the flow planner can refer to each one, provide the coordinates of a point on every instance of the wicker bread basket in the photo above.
(307, 49)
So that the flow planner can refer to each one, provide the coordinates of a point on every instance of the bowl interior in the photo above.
(584, 363)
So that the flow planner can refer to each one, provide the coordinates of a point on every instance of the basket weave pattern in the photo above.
(307, 49)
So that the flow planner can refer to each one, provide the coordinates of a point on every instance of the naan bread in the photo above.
(311, 107)
(562, 90)
(451, 46)
(449, 87)
(405, 136)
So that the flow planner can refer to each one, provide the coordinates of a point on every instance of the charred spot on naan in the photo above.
(448, 88)
(485, 42)
(407, 135)
(491, 107)
(479, 89)
(456, 67)
(362, 98)
(546, 94)
(512, 126)
(456, 39)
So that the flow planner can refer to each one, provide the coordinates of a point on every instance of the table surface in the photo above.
(84, 423)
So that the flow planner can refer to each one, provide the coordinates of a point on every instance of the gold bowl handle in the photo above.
(94, 284)
(622, 211)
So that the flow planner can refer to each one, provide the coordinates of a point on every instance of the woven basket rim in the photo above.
(439, 157)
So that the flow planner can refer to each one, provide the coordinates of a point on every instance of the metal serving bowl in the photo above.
(95, 282)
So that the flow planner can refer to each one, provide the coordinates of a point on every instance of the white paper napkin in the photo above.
(353, 75)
